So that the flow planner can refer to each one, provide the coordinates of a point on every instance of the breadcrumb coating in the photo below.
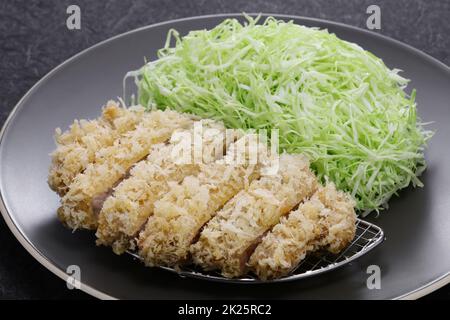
(228, 239)
(326, 221)
(127, 210)
(113, 162)
(76, 147)
(181, 213)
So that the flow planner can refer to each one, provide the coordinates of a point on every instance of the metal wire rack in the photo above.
(367, 237)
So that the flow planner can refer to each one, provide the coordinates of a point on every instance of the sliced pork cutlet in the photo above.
(326, 221)
(112, 164)
(125, 213)
(228, 240)
(180, 214)
(76, 147)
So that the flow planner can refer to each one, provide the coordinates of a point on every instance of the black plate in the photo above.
(414, 259)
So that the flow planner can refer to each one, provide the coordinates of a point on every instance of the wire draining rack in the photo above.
(367, 237)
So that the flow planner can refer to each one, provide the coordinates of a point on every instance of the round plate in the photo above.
(414, 259)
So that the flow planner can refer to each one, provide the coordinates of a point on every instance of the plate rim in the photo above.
(43, 260)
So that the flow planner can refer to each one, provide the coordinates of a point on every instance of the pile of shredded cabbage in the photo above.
(329, 98)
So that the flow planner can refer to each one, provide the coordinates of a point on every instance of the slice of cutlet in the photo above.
(339, 218)
(180, 214)
(125, 212)
(77, 146)
(327, 220)
(112, 163)
(228, 240)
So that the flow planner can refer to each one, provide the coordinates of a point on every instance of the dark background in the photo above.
(34, 39)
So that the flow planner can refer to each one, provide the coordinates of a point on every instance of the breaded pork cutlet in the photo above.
(339, 218)
(127, 210)
(181, 213)
(113, 162)
(326, 221)
(228, 240)
(77, 146)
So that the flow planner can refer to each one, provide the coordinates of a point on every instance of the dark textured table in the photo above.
(34, 39)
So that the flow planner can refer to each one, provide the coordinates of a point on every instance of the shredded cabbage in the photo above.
(329, 98)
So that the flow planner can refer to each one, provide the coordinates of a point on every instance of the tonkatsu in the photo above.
(227, 204)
